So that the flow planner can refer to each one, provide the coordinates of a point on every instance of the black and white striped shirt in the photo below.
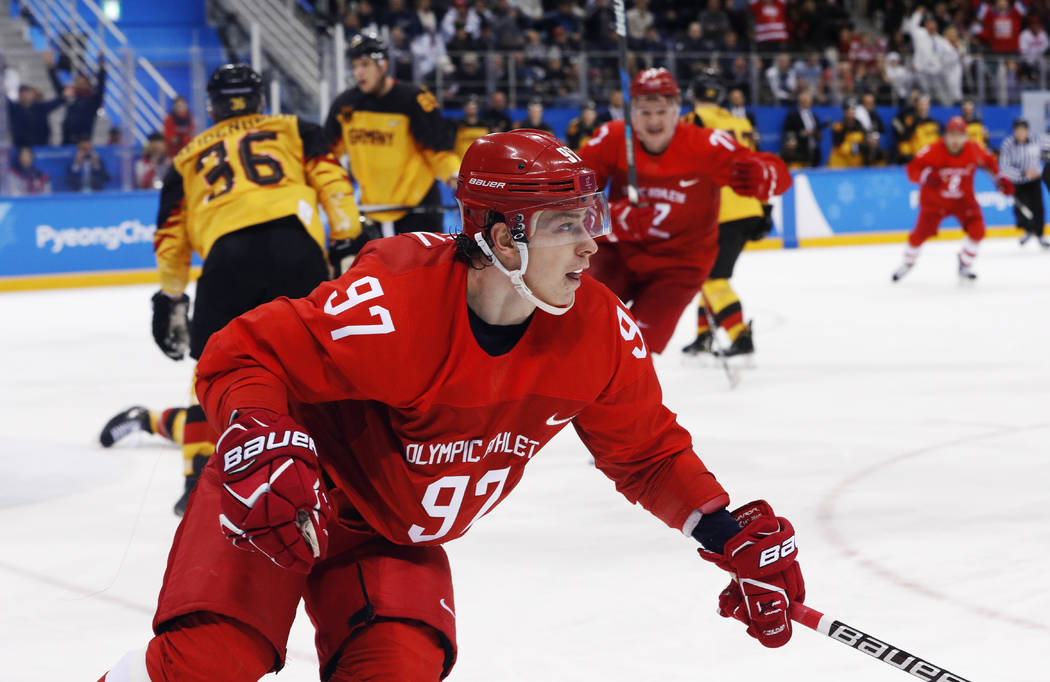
(1015, 158)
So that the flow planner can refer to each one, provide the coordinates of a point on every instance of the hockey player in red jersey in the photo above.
(350, 452)
(944, 170)
(661, 251)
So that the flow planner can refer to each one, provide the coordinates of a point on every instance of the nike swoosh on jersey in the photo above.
(445, 606)
(688, 183)
(554, 421)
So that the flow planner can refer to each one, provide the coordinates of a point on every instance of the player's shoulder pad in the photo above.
(413, 97)
(410, 251)
(613, 130)
(603, 138)
(344, 104)
(704, 138)
(598, 308)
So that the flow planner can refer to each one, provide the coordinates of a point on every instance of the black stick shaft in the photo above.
(625, 86)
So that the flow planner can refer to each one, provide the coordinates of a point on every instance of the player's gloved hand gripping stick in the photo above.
(767, 593)
(633, 221)
(274, 502)
(766, 578)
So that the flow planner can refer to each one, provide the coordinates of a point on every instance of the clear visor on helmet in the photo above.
(566, 221)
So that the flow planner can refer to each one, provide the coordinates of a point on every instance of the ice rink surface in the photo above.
(904, 429)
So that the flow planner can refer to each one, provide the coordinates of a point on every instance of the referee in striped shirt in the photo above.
(1020, 162)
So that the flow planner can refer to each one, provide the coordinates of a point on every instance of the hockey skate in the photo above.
(743, 345)
(1024, 238)
(966, 273)
(702, 344)
(1044, 242)
(127, 422)
(903, 270)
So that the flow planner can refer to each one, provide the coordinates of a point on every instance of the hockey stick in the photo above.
(862, 641)
(1025, 211)
(731, 372)
(625, 86)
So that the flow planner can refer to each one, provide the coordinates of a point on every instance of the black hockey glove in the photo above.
(765, 227)
(171, 324)
(341, 253)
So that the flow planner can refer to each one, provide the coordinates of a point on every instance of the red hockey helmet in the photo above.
(956, 124)
(539, 188)
(654, 82)
(518, 173)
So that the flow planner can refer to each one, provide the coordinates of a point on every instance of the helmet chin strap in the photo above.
(517, 277)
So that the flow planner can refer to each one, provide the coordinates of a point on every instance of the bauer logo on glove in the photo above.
(274, 503)
(240, 457)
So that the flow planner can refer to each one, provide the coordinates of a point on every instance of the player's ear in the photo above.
(503, 244)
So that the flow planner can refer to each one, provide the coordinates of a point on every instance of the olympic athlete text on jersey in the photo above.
(243, 195)
(343, 468)
(944, 171)
(665, 247)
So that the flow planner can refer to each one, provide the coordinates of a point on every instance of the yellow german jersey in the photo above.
(846, 139)
(244, 171)
(914, 133)
(398, 143)
(927, 131)
(976, 131)
(466, 133)
(579, 133)
(734, 206)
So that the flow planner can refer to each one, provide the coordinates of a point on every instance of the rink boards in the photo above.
(70, 240)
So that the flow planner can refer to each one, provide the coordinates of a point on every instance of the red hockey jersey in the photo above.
(956, 170)
(420, 428)
(682, 183)
(771, 24)
(1001, 30)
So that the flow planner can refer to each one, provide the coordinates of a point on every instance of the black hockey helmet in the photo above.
(366, 45)
(234, 90)
(708, 87)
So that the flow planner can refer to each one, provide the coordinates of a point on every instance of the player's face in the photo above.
(369, 74)
(560, 248)
(654, 120)
(954, 141)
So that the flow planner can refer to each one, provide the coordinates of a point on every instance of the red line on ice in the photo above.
(826, 517)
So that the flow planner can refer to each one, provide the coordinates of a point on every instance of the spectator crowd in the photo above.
(489, 57)
(29, 120)
(564, 53)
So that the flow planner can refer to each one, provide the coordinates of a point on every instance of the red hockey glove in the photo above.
(1004, 185)
(758, 175)
(274, 502)
(931, 177)
(766, 579)
(631, 223)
